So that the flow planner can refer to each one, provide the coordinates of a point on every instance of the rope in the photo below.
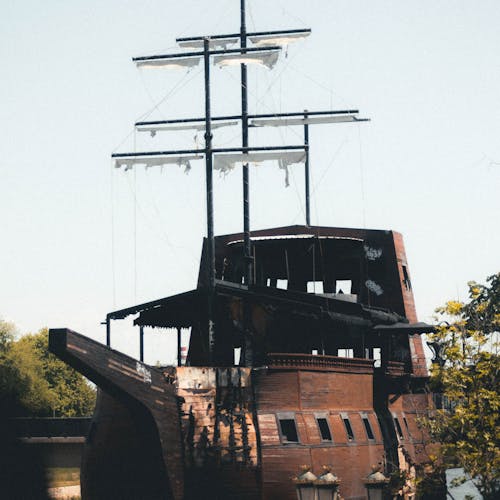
(135, 222)
(113, 267)
(361, 171)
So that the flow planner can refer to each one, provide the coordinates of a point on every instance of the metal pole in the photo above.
(244, 137)
(141, 343)
(247, 249)
(210, 207)
(179, 353)
(306, 143)
(108, 331)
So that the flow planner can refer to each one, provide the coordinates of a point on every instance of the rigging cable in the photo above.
(113, 267)
(135, 221)
(361, 171)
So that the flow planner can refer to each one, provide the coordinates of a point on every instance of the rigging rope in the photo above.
(361, 171)
(113, 267)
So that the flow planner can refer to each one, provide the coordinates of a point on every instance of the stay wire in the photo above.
(135, 221)
(361, 172)
(113, 248)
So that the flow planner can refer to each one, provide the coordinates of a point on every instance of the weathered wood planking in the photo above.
(307, 394)
(137, 385)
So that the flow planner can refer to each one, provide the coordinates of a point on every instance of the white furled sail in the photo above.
(214, 43)
(267, 59)
(164, 127)
(227, 162)
(156, 161)
(170, 63)
(311, 120)
(282, 39)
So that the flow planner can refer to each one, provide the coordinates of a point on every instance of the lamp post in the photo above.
(375, 483)
(327, 485)
(304, 484)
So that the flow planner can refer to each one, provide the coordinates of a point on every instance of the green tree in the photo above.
(34, 382)
(12, 384)
(468, 429)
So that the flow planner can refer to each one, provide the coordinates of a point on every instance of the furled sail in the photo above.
(267, 59)
(163, 127)
(311, 120)
(227, 162)
(214, 43)
(156, 161)
(170, 63)
(278, 39)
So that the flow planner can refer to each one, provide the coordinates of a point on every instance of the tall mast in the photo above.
(210, 206)
(244, 143)
(306, 169)
(264, 51)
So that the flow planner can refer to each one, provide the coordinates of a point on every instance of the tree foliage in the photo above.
(468, 427)
(33, 382)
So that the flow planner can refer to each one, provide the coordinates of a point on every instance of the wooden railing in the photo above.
(289, 361)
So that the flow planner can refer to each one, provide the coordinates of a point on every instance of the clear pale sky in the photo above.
(428, 164)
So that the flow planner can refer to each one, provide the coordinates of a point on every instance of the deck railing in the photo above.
(290, 361)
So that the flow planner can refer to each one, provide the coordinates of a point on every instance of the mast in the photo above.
(306, 168)
(247, 350)
(244, 143)
(264, 51)
(210, 206)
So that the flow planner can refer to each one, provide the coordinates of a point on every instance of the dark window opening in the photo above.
(348, 429)
(368, 428)
(289, 430)
(324, 429)
(406, 425)
(406, 278)
(398, 427)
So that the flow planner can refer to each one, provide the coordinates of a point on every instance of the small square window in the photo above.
(288, 430)
(324, 429)
(282, 284)
(343, 286)
(314, 287)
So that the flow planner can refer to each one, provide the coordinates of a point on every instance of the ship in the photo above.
(304, 346)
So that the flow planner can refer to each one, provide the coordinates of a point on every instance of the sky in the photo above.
(80, 238)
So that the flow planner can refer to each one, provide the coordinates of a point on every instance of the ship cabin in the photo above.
(316, 291)
(318, 361)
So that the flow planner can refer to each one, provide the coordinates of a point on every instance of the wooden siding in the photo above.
(142, 388)
(311, 394)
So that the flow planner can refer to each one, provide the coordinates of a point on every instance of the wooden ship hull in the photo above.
(223, 430)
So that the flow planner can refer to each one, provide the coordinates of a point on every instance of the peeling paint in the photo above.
(374, 287)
